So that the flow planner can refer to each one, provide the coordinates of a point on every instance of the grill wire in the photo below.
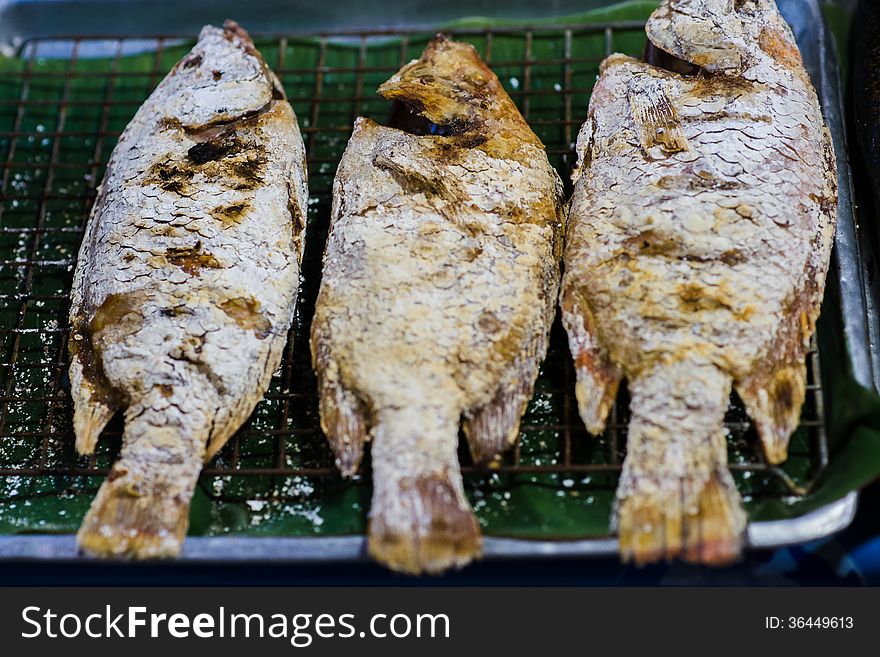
(55, 148)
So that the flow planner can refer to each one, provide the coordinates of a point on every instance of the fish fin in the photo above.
(216, 442)
(94, 398)
(774, 391)
(343, 419)
(420, 519)
(597, 377)
(89, 420)
(584, 148)
(676, 497)
(654, 114)
(773, 398)
(493, 428)
(141, 510)
(229, 419)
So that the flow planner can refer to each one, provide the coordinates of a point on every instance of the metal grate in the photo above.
(59, 120)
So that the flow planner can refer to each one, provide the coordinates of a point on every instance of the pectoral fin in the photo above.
(656, 120)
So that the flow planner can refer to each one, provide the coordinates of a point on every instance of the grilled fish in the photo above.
(699, 235)
(439, 287)
(185, 285)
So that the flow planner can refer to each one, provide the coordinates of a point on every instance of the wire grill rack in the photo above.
(59, 120)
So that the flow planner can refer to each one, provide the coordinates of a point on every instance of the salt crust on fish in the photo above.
(438, 292)
(697, 247)
(185, 285)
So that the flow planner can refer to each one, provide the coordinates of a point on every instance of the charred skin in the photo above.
(185, 285)
(699, 235)
(438, 292)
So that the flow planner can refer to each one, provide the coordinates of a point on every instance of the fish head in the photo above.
(721, 37)
(221, 79)
(449, 86)
(708, 34)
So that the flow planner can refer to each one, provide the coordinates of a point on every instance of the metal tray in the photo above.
(847, 273)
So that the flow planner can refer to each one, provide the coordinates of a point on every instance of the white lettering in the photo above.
(89, 626)
(325, 620)
(24, 617)
(203, 626)
(433, 618)
(134, 621)
(373, 626)
(113, 625)
(280, 624)
(394, 620)
(344, 623)
(178, 626)
(155, 619)
(49, 616)
(298, 627)
(77, 624)
(247, 619)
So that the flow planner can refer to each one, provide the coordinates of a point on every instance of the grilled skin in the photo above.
(185, 285)
(700, 231)
(440, 276)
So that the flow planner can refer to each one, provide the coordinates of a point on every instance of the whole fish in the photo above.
(438, 292)
(700, 231)
(185, 285)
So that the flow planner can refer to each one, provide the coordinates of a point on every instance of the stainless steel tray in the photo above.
(848, 273)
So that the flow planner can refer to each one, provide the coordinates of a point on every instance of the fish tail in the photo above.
(420, 519)
(676, 497)
(142, 509)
